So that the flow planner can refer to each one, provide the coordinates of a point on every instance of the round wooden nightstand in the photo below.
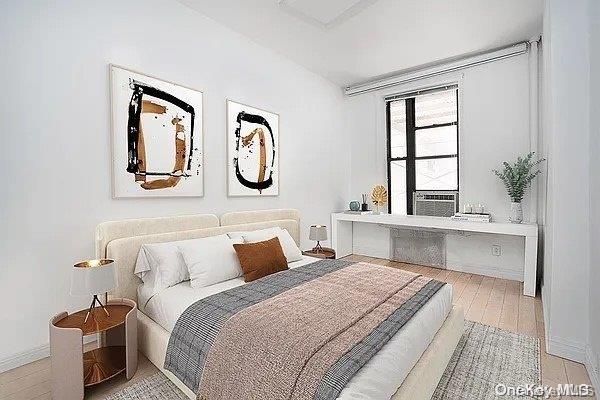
(72, 369)
(324, 253)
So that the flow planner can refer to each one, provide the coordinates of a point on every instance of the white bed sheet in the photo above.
(380, 378)
(167, 306)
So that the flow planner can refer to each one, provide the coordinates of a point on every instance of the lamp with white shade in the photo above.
(93, 277)
(318, 233)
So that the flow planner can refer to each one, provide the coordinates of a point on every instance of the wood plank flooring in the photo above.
(491, 301)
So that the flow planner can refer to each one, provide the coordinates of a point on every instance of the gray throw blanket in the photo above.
(297, 334)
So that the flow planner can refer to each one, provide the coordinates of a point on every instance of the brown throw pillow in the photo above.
(261, 259)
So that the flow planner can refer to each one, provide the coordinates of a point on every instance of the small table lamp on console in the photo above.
(318, 233)
(93, 277)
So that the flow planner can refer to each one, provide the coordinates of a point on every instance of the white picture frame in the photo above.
(157, 136)
(252, 146)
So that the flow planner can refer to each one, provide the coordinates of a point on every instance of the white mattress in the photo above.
(378, 379)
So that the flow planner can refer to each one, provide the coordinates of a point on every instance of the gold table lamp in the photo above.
(318, 233)
(92, 277)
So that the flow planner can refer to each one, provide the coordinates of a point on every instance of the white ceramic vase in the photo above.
(516, 213)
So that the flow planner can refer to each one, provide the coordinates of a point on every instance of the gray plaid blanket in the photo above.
(198, 327)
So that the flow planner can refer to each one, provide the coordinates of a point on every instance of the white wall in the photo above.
(494, 126)
(594, 334)
(567, 133)
(546, 111)
(55, 153)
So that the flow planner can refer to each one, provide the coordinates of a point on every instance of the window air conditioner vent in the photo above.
(435, 204)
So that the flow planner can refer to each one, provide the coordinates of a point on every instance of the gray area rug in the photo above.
(156, 386)
(484, 357)
(488, 356)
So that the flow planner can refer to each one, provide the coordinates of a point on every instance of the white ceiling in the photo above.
(349, 41)
(324, 14)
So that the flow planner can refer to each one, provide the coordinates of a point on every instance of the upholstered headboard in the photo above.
(246, 217)
(121, 240)
(111, 230)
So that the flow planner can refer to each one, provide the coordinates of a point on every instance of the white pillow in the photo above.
(237, 235)
(288, 245)
(161, 265)
(269, 233)
(211, 260)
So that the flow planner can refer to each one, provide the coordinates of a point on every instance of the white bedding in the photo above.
(378, 379)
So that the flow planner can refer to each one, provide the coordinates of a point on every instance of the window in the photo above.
(422, 131)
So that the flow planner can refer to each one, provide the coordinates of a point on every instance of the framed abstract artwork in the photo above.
(157, 137)
(253, 151)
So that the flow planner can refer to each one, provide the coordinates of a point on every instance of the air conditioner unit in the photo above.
(436, 204)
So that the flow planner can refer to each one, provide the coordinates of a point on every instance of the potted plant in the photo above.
(516, 178)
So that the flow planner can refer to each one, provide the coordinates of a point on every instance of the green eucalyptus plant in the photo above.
(518, 176)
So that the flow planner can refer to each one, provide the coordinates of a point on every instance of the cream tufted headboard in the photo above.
(121, 240)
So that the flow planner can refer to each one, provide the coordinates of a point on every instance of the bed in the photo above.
(408, 366)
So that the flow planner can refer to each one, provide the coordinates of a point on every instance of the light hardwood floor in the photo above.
(491, 301)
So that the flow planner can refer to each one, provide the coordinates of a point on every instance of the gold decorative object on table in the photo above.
(379, 196)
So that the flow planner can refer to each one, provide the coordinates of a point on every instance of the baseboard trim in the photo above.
(28, 356)
(560, 347)
(371, 252)
(592, 367)
(25, 357)
(546, 309)
(513, 274)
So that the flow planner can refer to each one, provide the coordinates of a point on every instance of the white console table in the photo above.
(342, 236)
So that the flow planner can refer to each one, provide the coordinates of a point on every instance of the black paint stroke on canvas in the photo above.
(255, 119)
(133, 124)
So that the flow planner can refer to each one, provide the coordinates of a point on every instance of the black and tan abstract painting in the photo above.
(157, 137)
(253, 151)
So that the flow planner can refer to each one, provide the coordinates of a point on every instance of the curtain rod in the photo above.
(415, 93)
(438, 69)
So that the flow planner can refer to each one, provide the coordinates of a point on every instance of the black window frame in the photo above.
(411, 157)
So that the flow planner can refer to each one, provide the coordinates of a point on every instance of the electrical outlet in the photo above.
(496, 250)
